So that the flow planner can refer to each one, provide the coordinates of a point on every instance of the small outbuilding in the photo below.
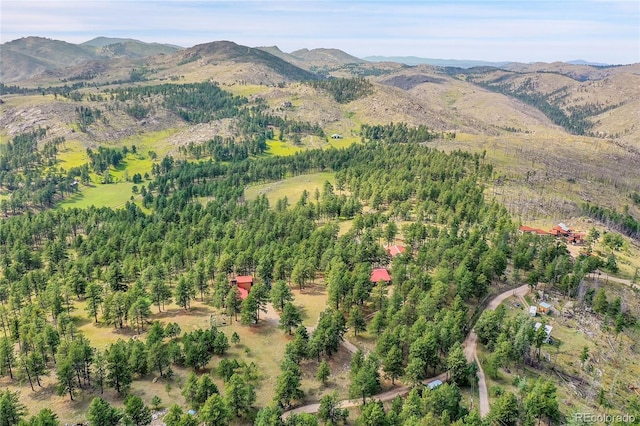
(336, 136)
(533, 311)
(544, 307)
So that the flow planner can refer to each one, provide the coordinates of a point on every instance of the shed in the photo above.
(533, 311)
(544, 307)
(336, 136)
(380, 274)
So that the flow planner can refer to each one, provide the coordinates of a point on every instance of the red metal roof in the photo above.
(380, 274)
(395, 250)
(538, 231)
(244, 279)
(243, 293)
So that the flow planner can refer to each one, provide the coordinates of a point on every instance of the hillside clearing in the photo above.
(292, 188)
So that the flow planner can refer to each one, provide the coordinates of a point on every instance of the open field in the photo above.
(72, 154)
(111, 195)
(292, 188)
(276, 147)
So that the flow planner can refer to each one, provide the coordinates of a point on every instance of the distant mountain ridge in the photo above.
(28, 57)
(415, 60)
(105, 41)
(464, 63)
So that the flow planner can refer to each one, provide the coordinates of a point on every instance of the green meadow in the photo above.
(112, 195)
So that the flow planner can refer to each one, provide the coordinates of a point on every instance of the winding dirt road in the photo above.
(470, 350)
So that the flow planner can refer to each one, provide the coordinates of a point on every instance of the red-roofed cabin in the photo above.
(243, 282)
(380, 274)
(395, 250)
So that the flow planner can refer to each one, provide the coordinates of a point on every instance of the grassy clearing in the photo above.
(344, 142)
(73, 154)
(291, 188)
(312, 300)
(132, 164)
(112, 195)
(151, 141)
(244, 90)
(276, 147)
(29, 100)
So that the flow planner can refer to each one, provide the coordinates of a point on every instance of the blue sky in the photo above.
(528, 31)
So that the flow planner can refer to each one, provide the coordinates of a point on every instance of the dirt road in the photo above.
(470, 350)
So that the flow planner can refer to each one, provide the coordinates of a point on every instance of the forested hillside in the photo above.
(122, 265)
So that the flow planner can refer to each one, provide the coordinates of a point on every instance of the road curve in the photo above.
(470, 350)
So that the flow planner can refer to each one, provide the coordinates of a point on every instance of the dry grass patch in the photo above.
(292, 188)
(312, 300)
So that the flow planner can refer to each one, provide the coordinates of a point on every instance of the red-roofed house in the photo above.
(395, 250)
(244, 284)
(380, 274)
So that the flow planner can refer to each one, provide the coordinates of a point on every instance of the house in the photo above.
(396, 250)
(544, 307)
(533, 311)
(547, 330)
(336, 136)
(244, 284)
(380, 274)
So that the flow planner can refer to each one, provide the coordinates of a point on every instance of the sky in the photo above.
(606, 31)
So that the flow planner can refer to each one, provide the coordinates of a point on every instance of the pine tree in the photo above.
(290, 318)
(94, 299)
(357, 321)
(184, 292)
(288, 384)
(119, 374)
(7, 357)
(136, 412)
(280, 294)
(215, 412)
(101, 413)
(323, 372)
(393, 363)
(239, 395)
(66, 377)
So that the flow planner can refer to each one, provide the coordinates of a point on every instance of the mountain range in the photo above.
(576, 121)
